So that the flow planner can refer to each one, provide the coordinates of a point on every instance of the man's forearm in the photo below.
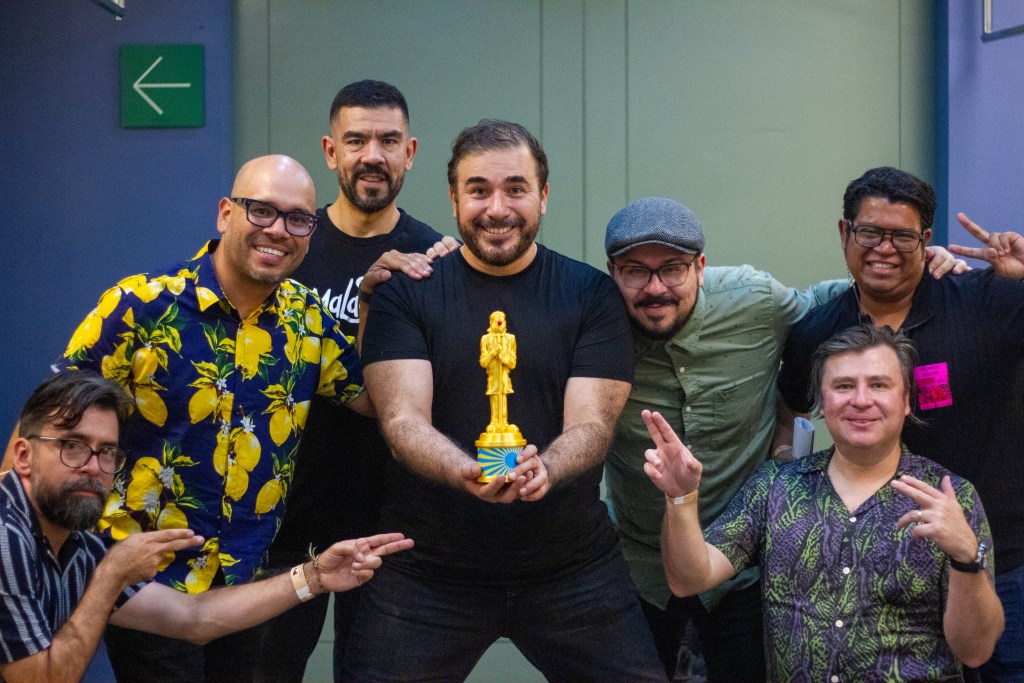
(215, 613)
(973, 620)
(691, 564)
(423, 449)
(74, 644)
(592, 406)
(576, 450)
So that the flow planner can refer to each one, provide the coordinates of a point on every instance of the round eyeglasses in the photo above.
(263, 215)
(869, 236)
(637, 277)
(74, 453)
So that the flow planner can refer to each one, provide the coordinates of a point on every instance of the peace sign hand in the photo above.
(1004, 250)
(670, 465)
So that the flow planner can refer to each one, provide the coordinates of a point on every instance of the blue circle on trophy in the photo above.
(497, 461)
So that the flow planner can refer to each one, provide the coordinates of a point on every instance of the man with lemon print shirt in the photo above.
(222, 355)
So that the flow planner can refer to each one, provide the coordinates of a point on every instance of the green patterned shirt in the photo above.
(847, 596)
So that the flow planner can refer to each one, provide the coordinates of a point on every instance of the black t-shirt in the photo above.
(969, 334)
(338, 485)
(569, 321)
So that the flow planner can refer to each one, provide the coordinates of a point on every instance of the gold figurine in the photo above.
(498, 446)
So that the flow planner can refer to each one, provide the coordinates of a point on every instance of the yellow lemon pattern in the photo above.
(220, 406)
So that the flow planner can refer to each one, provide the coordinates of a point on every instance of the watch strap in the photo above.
(971, 567)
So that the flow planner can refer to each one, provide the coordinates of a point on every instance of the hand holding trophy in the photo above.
(498, 446)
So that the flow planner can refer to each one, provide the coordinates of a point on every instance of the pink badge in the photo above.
(933, 386)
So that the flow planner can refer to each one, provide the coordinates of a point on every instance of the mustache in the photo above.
(510, 222)
(657, 301)
(85, 485)
(372, 169)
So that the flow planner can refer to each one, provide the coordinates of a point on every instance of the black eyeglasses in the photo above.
(74, 453)
(869, 236)
(637, 277)
(263, 215)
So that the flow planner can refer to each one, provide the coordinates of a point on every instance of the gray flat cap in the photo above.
(654, 220)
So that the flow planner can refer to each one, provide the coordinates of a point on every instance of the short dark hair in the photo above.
(895, 185)
(491, 134)
(371, 95)
(861, 338)
(63, 398)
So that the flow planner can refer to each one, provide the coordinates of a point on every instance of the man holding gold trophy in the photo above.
(519, 543)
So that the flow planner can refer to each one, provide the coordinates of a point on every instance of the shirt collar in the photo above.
(688, 336)
(209, 291)
(920, 309)
(206, 278)
(818, 462)
(13, 497)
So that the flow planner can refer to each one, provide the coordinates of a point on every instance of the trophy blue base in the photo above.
(496, 453)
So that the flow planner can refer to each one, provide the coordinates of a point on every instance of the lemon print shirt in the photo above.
(220, 405)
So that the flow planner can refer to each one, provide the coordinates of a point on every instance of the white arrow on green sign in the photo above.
(162, 86)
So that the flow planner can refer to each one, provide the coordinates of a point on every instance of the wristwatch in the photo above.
(979, 564)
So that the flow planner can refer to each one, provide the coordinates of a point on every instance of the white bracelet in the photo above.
(683, 499)
(300, 584)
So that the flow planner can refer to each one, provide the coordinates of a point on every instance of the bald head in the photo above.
(252, 258)
(286, 178)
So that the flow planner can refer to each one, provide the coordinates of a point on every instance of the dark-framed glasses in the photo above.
(74, 453)
(263, 215)
(869, 236)
(637, 277)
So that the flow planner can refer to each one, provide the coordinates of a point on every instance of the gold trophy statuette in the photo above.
(497, 448)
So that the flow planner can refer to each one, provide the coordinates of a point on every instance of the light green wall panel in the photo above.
(450, 60)
(562, 117)
(755, 114)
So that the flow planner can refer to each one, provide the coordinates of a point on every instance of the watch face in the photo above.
(982, 559)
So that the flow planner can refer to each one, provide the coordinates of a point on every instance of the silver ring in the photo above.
(919, 513)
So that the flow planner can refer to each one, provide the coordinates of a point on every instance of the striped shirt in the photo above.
(38, 590)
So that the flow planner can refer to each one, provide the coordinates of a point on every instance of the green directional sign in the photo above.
(162, 86)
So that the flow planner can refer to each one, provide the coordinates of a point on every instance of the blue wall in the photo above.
(83, 201)
(984, 107)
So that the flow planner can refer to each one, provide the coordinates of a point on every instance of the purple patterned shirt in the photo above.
(847, 596)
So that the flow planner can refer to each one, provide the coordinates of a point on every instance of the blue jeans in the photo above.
(586, 626)
(1007, 663)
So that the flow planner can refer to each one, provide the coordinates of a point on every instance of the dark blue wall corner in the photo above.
(984, 131)
(85, 202)
(940, 231)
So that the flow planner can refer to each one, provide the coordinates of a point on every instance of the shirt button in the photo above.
(852, 518)
(687, 408)
(846, 570)
(839, 623)
(834, 679)
(682, 370)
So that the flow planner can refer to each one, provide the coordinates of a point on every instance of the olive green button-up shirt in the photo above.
(714, 382)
